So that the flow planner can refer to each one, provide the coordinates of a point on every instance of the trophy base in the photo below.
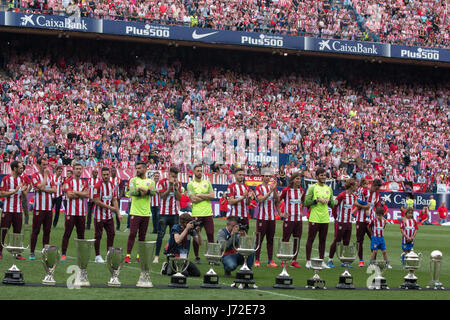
(283, 282)
(13, 277)
(345, 282)
(82, 284)
(178, 282)
(114, 283)
(379, 284)
(143, 285)
(48, 282)
(210, 281)
(315, 284)
(410, 284)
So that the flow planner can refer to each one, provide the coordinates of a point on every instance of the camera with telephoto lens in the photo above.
(196, 224)
(242, 226)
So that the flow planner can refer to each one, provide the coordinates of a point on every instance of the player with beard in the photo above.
(76, 191)
(201, 193)
(294, 198)
(238, 195)
(12, 188)
(42, 216)
(319, 198)
(106, 202)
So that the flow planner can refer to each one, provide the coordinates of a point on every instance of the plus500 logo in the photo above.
(262, 41)
(148, 31)
(420, 54)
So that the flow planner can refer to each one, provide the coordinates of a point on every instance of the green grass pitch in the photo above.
(429, 238)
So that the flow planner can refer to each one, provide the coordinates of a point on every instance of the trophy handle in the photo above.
(298, 245)
(258, 237)
(222, 247)
(339, 248)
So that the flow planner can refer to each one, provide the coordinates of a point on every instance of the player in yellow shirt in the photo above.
(201, 193)
(141, 189)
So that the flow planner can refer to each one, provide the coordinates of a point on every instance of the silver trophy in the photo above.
(214, 253)
(286, 254)
(15, 246)
(378, 282)
(50, 259)
(435, 269)
(180, 264)
(316, 282)
(84, 250)
(114, 261)
(412, 263)
(346, 254)
(244, 276)
(146, 252)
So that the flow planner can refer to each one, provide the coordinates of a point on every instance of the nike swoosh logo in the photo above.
(200, 36)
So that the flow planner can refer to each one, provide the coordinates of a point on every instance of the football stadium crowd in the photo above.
(114, 104)
(410, 22)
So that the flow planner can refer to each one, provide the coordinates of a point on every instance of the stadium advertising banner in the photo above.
(42, 21)
(420, 53)
(227, 37)
(140, 29)
(347, 47)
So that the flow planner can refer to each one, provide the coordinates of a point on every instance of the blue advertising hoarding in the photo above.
(347, 47)
(227, 37)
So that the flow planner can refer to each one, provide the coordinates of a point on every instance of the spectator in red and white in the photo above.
(443, 213)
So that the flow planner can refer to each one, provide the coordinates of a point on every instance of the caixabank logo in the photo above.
(420, 53)
(69, 23)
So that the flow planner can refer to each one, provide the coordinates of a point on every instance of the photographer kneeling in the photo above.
(179, 244)
(231, 259)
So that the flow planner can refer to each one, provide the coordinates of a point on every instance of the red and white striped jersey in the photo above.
(91, 182)
(374, 200)
(267, 209)
(344, 206)
(155, 201)
(59, 182)
(377, 227)
(106, 192)
(409, 226)
(236, 190)
(117, 183)
(75, 207)
(293, 200)
(42, 200)
(12, 204)
(169, 206)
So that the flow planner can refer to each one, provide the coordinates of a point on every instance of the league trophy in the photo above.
(412, 263)
(114, 261)
(84, 250)
(244, 276)
(286, 254)
(346, 254)
(379, 282)
(435, 269)
(316, 282)
(214, 253)
(178, 279)
(50, 259)
(146, 252)
(15, 246)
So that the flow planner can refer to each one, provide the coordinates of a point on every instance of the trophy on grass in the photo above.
(244, 276)
(181, 263)
(50, 259)
(146, 252)
(378, 282)
(412, 263)
(435, 269)
(15, 246)
(316, 282)
(346, 254)
(286, 254)
(114, 261)
(214, 253)
(84, 250)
